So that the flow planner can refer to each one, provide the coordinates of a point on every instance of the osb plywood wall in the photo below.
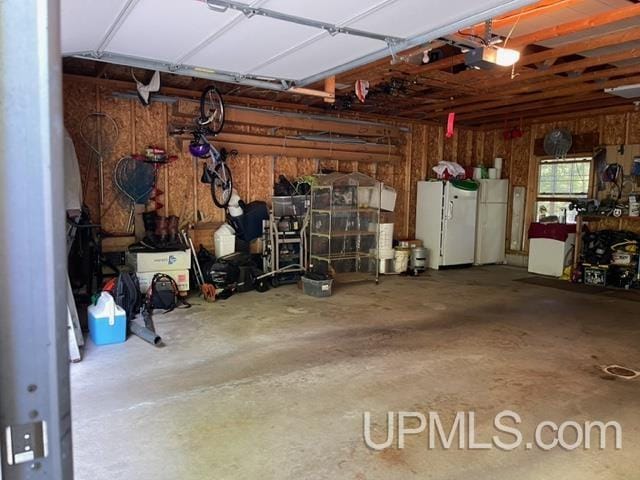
(418, 148)
(184, 195)
(471, 147)
(520, 161)
(429, 145)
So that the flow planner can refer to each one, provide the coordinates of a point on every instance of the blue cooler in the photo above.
(107, 321)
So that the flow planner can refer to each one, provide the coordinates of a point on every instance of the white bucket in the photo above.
(477, 173)
(493, 173)
(401, 260)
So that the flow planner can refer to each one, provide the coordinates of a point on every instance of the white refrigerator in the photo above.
(446, 223)
(491, 227)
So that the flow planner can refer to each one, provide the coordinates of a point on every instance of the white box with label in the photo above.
(143, 262)
(180, 276)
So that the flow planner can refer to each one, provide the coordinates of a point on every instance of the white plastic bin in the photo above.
(224, 240)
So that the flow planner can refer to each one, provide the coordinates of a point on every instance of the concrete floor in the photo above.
(274, 385)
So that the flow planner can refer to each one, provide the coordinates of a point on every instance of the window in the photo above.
(559, 182)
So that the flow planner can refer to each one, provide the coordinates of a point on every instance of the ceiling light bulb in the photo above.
(506, 57)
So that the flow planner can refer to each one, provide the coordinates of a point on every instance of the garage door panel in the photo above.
(84, 24)
(167, 30)
(413, 17)
(246, 46)
(319, 56)
(188, 33)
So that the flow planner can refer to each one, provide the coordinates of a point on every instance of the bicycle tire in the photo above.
(222, 171)
(210, 96)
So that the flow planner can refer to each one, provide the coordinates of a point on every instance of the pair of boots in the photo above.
(161, 230)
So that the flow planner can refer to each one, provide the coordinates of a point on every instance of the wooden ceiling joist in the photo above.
(485, 108)
(579, 46)
(522, 109)
(553, 117)
(582, 45)
(539, 86)
(577, 65)
(541, 35)
(568, 108)
(576, 26)
(541, 7)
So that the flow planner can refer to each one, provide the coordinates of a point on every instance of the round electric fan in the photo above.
(557, 143)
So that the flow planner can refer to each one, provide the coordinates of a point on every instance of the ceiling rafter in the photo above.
(563, 115)
(623, 36)
(567, 108)
(531, 83)
(516, 111)
(558, 92)
(450, 62)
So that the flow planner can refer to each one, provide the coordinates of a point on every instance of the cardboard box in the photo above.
(117, 244)
(202, 234)
(256, 246)
(143, 262)
(180, 276)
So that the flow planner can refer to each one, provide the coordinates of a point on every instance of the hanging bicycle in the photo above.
(208, 124)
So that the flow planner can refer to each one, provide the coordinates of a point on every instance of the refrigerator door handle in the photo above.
(449, 215)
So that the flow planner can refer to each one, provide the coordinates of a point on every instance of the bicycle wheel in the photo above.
(211, 109)
(222, 185)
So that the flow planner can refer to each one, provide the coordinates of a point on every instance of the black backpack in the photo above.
(164, 294)
(127, 294)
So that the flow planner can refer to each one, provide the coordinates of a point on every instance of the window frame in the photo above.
(574, 158)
